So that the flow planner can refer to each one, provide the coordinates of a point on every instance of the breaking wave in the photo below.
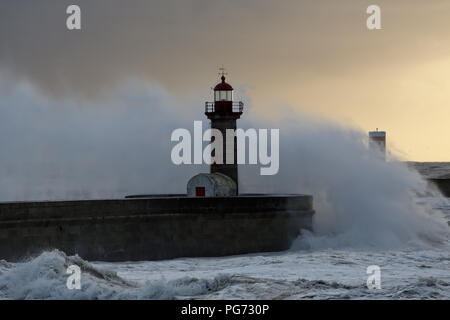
(45, 277)
(360, 200)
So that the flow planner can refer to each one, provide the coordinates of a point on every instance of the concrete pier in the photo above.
(153, 227)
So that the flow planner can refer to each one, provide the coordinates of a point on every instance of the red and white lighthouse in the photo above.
(223, 113)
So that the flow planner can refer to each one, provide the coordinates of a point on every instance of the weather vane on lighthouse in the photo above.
(222, 71)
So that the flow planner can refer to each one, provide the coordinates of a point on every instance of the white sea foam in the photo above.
(321, 274)
(45, 277)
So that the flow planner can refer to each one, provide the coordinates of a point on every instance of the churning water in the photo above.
(322, 271)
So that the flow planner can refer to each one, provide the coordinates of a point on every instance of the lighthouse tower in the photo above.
(223, 113)
(377, 142)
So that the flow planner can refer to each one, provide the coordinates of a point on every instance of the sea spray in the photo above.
(360, 201)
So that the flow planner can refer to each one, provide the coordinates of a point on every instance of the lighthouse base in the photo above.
(154, 227)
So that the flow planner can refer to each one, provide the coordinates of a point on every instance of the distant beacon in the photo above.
(377, 143)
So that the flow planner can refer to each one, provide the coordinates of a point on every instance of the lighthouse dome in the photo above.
(223, 86)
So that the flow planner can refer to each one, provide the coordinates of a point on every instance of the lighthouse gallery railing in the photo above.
(237, 106)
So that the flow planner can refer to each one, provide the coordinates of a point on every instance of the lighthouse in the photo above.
(223, 113)
(377, 143)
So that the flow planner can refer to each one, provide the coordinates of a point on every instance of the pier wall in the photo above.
(153, 228)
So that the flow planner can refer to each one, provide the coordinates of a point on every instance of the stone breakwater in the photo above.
(153, 227)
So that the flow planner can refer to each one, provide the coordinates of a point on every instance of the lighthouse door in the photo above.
(200, 191)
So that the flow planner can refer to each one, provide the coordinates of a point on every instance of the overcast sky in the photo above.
(315, 56)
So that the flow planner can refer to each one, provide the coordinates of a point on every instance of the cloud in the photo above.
(179, 44)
